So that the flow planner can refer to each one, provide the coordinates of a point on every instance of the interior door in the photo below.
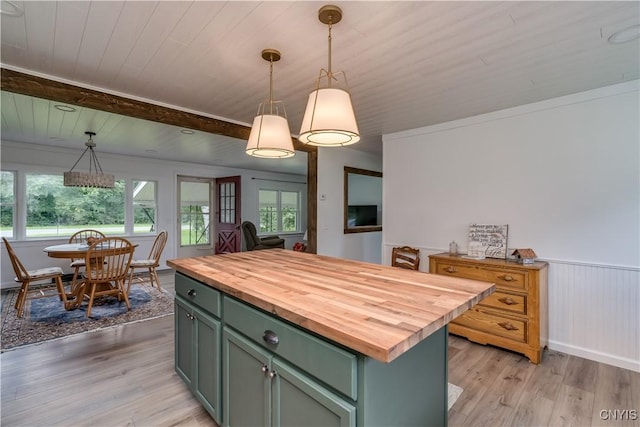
(227, 222)
(195, 197)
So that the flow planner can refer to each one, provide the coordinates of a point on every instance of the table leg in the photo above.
(74, 299)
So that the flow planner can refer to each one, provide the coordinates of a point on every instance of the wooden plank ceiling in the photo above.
(409, 64)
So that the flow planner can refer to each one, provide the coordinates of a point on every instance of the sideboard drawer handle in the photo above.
(508, 326)
(270, 337)
(191, 292)
(507, 278)
(507, 300)
(450, 269)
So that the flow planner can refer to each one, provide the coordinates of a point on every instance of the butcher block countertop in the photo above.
(379, 311)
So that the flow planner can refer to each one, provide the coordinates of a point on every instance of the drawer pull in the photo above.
(270, 337)
(450, 269)
(191, 292)
(507, 300)
(508, 326)
(507, 278)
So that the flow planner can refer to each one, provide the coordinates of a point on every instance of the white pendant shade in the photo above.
(329, 120)
(270, 137)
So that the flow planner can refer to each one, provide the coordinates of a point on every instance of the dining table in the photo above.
(72, 251)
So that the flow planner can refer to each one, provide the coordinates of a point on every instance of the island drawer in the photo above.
(327, 362)
(198, 293)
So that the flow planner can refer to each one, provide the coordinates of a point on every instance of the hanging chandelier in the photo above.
(95, 177)
(329, 120)
(270, 136)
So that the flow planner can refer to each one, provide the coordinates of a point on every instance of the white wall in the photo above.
(565, 175)
(45, 159)
(331, 238)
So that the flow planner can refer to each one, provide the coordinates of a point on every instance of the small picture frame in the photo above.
(488, 240)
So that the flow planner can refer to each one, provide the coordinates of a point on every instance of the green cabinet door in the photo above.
(197, 354)
(298, 401)
(246, 381)
(184, 348)
(207, 385)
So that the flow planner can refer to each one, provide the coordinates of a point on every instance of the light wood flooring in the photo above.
(123, 376)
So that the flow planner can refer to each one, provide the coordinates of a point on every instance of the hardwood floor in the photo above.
(124, 376)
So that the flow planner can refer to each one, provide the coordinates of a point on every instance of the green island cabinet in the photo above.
(197, 341)
(249, 367)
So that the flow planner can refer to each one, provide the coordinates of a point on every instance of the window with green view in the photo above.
(279, 211)
(7, 203)
(55, 210)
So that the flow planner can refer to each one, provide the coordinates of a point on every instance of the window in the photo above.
(144, 206)
(7, 203)
(38, 205)
(55, 210)
(279, 211)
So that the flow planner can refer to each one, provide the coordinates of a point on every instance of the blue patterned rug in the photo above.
(46, 318)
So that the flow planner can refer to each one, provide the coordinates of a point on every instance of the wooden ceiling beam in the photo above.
(39, 87)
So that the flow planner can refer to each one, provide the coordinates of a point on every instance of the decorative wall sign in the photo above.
(488, 240)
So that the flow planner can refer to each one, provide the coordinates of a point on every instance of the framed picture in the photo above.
(488, 241)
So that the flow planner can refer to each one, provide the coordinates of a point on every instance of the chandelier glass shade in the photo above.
(95, 178)
(329, 119)
(270, 136)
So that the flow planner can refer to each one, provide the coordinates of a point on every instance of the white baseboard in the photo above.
(609, 359)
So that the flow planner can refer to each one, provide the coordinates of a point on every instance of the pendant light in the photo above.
(329, 120)
(95, 177)
(270, 136)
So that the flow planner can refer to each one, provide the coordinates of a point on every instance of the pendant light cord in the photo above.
(329, 72)
(271, 84)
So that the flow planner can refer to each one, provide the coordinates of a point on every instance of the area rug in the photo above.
(45, 318)
(454, 394)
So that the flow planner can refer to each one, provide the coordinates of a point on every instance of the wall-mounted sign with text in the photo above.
(488, 241)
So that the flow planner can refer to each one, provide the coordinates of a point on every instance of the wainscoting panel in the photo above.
(594, 310)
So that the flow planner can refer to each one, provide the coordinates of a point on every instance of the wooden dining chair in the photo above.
(150, 264)
(405, 257)
(26, 277)
(82, 236)
(107, 266)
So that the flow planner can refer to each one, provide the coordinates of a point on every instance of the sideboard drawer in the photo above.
(506, 302)
(505, 278)
(507, 327)
(198, 293)
(327, 362)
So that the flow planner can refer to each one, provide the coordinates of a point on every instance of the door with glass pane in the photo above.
(194, 228)
(228, 215)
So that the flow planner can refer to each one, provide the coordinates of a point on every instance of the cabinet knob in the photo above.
(272, 374)
(191, 292)
(264, 369)
(450, 269)
(270, 337)
(508, 326)
(507, 300)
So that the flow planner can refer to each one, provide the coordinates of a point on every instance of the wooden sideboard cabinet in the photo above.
(515, 317)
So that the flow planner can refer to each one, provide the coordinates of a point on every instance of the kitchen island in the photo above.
(277, 337)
